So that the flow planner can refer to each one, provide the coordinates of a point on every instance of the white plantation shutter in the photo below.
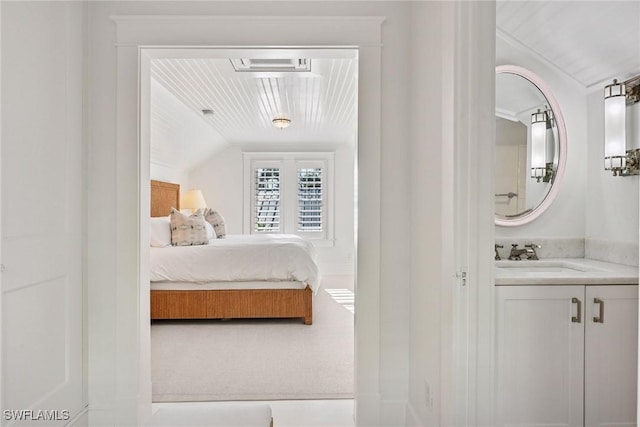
(267, 200)
(310, 199)
(290, 193)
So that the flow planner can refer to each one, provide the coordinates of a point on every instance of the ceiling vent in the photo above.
(271, 64)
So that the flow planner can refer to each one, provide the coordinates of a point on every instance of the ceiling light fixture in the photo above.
(281, 122)
(617, 158)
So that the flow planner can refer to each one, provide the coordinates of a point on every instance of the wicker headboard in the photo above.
(164, 196)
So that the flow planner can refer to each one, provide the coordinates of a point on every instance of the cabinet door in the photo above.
(540, 359)
(611, 355)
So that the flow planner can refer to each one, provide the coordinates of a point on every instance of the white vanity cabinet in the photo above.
(558, 364)
(611, 356)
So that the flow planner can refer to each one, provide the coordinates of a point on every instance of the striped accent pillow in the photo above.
(217, 221)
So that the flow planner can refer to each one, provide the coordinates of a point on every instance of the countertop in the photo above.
(564, 271)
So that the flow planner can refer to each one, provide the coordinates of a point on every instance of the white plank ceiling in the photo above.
(321, 104)
(590, 41)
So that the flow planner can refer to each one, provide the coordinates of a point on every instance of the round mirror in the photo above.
(531, 146)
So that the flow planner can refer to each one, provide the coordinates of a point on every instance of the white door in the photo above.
(611, 355)
(42, 205)
(540, 341)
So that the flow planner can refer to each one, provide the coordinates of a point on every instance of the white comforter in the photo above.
(238, 258)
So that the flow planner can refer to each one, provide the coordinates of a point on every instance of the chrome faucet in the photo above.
(495, 247)
(529, 250)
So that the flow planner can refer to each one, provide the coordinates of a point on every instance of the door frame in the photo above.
(135, 33)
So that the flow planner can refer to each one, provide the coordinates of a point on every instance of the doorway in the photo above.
(219, 102)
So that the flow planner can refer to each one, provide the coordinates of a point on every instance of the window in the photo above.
(289, 193)
(310, 199)
(267, 199)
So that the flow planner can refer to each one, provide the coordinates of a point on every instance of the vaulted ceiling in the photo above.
(592, 42)
(321, 103)
(238, 92)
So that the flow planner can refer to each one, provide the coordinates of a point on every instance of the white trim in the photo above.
(472, 391)
(128, 31)
(1, 261)
(562, 146)
(413, 420)
(81, 419)
(244, 19)
(501, 34)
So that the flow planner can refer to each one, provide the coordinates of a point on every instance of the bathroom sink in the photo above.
(564, 271)
(542, 267)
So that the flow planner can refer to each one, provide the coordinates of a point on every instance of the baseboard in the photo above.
(412, 417)
(393, 412)
(119, 412)
(81, 419)
(367, 409)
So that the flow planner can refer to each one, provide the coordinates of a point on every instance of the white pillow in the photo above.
(211, 233)
(160, 231)
(214, 218)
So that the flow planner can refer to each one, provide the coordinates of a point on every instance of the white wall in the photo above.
(113, 171)
(43, 208)
(452, 128)
(566, 217)
(405, 279)
(592, 204)
(427, 154)
(221, 179)
(179, 138)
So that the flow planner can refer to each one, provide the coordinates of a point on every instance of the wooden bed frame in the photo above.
(221, 304)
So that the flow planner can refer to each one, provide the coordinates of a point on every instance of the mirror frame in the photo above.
(534, 213)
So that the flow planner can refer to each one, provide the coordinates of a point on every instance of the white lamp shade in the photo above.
(193, 200)
(538, 140)
(614, 126)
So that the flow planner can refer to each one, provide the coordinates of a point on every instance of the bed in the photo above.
(187, 292)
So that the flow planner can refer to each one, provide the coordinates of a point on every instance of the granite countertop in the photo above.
(564, 271)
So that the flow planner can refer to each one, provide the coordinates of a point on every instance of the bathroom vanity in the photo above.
(566, 343)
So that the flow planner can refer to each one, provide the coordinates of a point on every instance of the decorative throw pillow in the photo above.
(214, 218)
(211, 234)
(188, 230)
(160, 231)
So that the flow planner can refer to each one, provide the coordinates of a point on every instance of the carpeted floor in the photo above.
(211, 360)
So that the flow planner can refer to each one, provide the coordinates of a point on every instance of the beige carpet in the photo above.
(210, 360)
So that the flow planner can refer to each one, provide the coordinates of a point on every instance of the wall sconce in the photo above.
(193, 200)
(617, 96)
(539, 122)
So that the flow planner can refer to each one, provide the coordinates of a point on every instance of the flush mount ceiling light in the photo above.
(281, 122)
(617, 158)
